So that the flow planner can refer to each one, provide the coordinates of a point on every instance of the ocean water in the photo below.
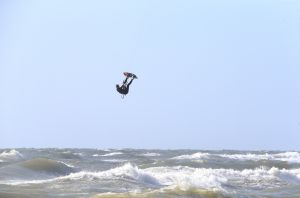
(112, 173)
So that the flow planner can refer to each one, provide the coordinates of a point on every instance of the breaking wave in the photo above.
(150, 154)
(127, 171)
(182, 177)
(11, 155)
(141, 174)
(112, 154)
(195, 156)
(108, 154)
(114, 160)
(290, 157)
(70, 155)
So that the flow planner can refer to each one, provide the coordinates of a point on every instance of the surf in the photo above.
(11, 155)
(34, 169)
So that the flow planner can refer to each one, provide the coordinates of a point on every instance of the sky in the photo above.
(212, 74)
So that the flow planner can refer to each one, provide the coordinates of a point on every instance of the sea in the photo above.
(139, 173)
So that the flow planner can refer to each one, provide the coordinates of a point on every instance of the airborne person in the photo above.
(124, 89)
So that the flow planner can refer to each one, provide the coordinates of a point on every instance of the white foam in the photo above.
(114, 160)
(108, 154)
(248, 156)
(195, 156)
(150, 154)
(126, 171)
(68, 165)
(186, 177)
(112, 154)
(10, 155)
(214, 179)
(290, 157)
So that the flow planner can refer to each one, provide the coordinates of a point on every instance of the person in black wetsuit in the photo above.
(124, 89)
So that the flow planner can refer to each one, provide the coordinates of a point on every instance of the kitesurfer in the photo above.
(124, 89)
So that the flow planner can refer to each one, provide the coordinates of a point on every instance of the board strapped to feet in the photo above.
(130, 75)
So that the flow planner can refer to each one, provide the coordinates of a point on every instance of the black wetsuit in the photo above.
(124, 89)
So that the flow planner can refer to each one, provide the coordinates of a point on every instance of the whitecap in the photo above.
(215, 179)
(248, 156)
(10, 155)
(114, 160)
(126, 171)
(150, 154)
(195, 156)
(112, 154)
(291, 157)
(187, 178)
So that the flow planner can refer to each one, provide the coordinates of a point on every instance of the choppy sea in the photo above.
(121, 173)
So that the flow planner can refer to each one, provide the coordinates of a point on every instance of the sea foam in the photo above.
(10, 155)
(112, 154)
(195, 156)
(150, 154)
(187, 178)
(290, 157)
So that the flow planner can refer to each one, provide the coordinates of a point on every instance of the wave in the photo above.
(150, 154)
(47, 165)
(70, 155)
(199, 178)
(290, 157)
(186, 178)
(195, 156)
(11, 155)
(112, 154)
(108, 154)
(34, 169)
(127, 172)
(114, 160)
(218, 179)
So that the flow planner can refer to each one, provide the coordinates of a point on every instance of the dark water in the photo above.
(148, 173)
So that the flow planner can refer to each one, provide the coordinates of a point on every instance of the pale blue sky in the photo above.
(212, 74)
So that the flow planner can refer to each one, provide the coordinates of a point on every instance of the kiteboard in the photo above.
(130, 75)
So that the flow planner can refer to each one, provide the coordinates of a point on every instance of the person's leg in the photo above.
(127, 87)
(125, 81)
(130, 83)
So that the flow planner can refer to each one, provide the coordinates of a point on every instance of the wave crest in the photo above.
(290, 157)
(185, 178)
(47, 165)
(11, 155)
(127, 171)
(112, 154)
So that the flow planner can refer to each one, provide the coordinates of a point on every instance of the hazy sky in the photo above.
(212, 74)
